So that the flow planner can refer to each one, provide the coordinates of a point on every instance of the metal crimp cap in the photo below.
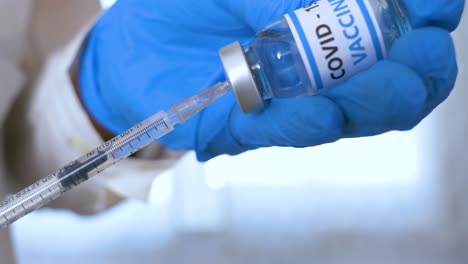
(240, 77)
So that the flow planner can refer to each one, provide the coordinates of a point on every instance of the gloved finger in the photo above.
(299, 122)
(444, 14)
(431, 53)
(389, 96)
(259, 13)
(370, 103)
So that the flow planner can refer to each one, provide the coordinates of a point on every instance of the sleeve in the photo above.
(48, 127)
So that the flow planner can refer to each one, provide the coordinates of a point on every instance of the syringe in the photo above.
(111, 152)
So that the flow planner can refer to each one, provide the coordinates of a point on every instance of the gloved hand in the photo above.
(144, 55)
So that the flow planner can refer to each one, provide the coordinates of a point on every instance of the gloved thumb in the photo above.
(259, 13)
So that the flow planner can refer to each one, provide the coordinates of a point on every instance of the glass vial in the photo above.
(312, 49)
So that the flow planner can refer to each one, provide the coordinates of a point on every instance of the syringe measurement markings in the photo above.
(126, 140)
(24, 196)
(15, 202)
(119, 145)
(50, 181)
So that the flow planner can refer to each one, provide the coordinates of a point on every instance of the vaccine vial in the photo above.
(312, 49)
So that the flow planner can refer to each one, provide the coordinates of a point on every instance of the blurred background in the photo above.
(395, 198)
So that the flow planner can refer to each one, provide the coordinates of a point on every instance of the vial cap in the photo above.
(240, 78)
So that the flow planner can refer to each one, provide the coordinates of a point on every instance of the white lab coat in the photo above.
(47, 126)
(13, 23)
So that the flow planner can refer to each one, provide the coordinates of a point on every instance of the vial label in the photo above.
(336, 39)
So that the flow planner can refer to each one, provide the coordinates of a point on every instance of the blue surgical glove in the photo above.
(144, 55)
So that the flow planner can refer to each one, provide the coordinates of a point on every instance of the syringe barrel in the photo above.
(104, 156)
(92, 163)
